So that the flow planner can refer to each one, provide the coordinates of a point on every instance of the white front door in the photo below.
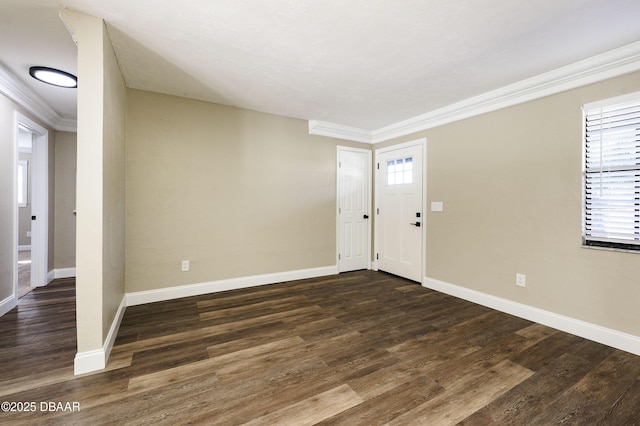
(400, 219)
(354, 175)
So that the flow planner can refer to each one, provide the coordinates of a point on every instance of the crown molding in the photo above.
(339, 131)
(67, 125)
(613, 63)
(22, 95)
(610, 64)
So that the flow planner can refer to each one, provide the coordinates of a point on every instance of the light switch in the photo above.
(436, 206)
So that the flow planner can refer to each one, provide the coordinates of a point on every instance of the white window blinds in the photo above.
(612, 173)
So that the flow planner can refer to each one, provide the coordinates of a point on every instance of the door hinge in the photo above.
(339, 256)
(377, 256)
(378, 166)
(339, 210)
(378, 210)
(339, 164)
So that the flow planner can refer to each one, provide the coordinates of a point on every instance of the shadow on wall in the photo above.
(156, 70)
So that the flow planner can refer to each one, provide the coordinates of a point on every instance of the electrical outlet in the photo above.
(185, 265)
(520, 280)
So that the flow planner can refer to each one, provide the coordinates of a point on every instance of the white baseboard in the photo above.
(11, 302)
(624, 341)
(64, 273)
(150, 296)
(61, 273)
(86, 362)
(8, 304)
(115, 326)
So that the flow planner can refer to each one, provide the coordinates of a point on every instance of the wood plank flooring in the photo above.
(362, 348)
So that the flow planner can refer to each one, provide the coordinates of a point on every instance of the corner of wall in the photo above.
(89, 361)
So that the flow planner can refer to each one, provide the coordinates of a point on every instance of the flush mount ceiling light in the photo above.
(54, 77)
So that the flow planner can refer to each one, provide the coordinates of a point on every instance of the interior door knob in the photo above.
(416, 224)
(366, 216)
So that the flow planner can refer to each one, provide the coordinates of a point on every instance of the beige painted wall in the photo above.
(510, 181)
(236, 192)
(100, 181)
(88, 35)
(114, 185)
(65, 200)
(7, 210)
(24, 213)
(51, 184)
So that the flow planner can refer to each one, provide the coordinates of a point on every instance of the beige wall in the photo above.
(24, 213)
(510, 181)
(114, 185)
(100, 181)
(51, 184)
(7, 209)
(65, 201)
(236, 192)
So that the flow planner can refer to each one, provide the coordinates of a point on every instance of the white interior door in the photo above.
(354, 200)
(40, 199)
(400, 220)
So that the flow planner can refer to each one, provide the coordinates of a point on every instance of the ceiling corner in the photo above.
(339, 131)
(614, 63)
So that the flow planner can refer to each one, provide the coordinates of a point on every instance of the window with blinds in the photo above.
(611, 216)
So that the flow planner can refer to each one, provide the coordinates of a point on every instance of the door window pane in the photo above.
(400, 171)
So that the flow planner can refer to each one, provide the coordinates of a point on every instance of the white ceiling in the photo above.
(360, 63)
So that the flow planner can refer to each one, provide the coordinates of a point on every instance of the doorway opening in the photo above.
(400, 231)
(25, 202)
(353, 209)
(32, 206)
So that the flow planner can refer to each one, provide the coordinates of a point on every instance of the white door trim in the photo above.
(340, 148)
(40, 202)
(417, 142)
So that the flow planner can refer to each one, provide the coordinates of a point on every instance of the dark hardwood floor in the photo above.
(361, 348)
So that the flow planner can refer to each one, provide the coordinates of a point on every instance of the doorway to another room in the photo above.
(397, 222)
(25, 192)
(354, 209)
(31, 225)
(400, 222)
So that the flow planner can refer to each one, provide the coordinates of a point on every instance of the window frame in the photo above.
(401, 176)
(23, 183)
(600, 242)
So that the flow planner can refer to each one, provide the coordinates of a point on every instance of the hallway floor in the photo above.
(24, 272)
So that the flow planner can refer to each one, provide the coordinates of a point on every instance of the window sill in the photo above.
(622, 250)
